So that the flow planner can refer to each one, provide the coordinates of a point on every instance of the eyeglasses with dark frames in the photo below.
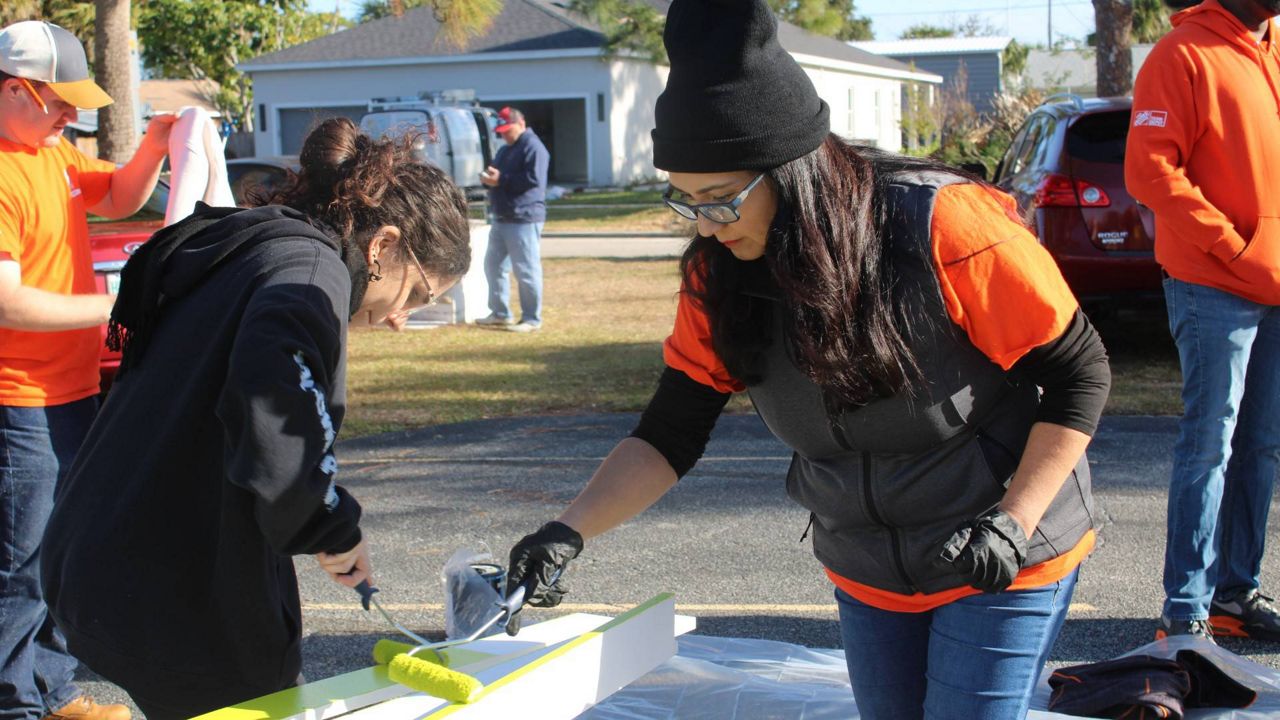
(717, 212)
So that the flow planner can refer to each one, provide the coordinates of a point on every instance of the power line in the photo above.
(1001, 8)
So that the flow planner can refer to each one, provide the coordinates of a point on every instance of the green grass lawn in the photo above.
(600, 350)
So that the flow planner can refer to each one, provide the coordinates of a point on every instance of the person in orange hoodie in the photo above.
(1204, 155)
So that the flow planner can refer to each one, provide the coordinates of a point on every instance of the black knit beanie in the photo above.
(735, 100)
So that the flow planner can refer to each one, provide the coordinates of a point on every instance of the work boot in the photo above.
(84, 708)
(1198, 628)
(1247, 615)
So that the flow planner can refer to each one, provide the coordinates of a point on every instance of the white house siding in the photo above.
(636, 86)
(863, 108)
(511, 80)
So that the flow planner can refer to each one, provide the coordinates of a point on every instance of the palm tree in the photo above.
(117, 136)
(1114, 19)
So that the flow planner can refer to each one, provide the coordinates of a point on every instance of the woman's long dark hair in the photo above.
(357, 184)
(844, 325)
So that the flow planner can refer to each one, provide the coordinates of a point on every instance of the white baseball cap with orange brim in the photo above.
(41, 51)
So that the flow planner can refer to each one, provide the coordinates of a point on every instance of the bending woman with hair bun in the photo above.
(905, 335)
(167, 562)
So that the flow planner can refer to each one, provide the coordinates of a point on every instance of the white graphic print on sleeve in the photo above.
(328, 463)
(1150, 118)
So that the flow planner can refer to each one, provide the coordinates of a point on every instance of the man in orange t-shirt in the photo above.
(1203, 155)
(49, 337)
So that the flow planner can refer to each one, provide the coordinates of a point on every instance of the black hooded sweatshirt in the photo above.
(167, 561)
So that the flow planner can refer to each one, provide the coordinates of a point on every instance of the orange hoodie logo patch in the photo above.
(1150, 118)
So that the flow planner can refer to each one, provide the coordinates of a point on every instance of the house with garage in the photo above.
(593, 110)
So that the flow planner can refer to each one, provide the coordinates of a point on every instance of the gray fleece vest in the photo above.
(888, 483)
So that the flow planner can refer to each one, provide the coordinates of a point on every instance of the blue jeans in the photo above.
(1228, 448)
(978, 658)
(515, 246)
(37, 446)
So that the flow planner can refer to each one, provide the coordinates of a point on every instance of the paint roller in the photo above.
(421, 667)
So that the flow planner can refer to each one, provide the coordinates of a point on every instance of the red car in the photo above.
(1065, 167)
(113, 241)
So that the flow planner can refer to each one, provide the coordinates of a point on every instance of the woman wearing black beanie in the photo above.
(903, 332)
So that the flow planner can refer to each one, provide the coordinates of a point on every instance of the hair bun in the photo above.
(335, 143)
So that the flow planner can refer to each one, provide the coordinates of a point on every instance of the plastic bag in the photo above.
(470, 598)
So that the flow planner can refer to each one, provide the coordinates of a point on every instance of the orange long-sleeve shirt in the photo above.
(1204, 152)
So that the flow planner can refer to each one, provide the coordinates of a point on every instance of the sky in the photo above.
(1026, 20)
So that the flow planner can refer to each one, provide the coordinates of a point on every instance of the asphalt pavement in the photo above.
(726, 540)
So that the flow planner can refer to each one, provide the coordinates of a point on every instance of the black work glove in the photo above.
(988, 551)
(534, 560)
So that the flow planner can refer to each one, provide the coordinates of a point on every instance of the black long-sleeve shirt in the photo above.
(1071, 370)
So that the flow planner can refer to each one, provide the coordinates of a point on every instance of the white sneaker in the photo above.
(522, 327)
(494, 320)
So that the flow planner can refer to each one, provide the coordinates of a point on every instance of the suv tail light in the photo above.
(1061, 191)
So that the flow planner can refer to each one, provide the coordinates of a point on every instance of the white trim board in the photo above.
(573, 661)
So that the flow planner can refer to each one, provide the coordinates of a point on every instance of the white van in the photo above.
(454, 132)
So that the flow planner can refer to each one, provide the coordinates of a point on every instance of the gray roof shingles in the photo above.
(523, 25)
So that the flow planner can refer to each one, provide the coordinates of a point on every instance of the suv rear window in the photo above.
(1099, 137)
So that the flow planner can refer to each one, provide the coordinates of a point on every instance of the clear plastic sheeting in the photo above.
(714, 678)
(742, 679)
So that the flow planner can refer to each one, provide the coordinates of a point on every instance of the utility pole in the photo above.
(1050, 24)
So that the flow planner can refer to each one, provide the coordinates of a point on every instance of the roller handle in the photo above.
(366, 593)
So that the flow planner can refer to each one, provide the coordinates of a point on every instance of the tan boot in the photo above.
(84, 708)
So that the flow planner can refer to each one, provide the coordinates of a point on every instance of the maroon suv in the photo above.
(1065, 167)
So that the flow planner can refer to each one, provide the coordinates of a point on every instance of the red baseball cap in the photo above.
(509, 116)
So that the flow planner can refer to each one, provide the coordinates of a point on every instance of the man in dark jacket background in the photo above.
(517, 183)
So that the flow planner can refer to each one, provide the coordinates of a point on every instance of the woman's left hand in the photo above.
(989, 551)
(349, 568)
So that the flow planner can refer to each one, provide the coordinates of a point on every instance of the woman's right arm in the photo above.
(631, 479)
(671, 436)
